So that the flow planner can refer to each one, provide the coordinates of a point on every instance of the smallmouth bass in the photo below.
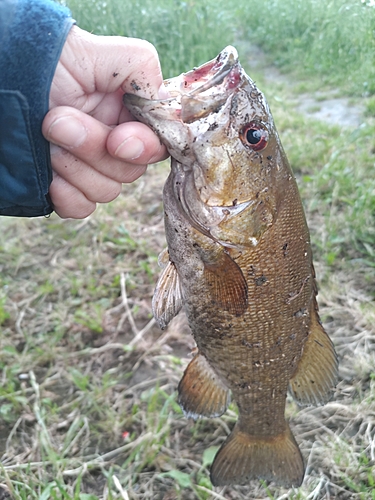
(239, 261)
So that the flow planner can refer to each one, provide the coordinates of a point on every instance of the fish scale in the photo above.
(240, 264)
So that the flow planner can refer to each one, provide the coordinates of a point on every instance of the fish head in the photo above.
(218, 128)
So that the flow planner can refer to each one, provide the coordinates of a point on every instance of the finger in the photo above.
(131, 61)
(86, 139)
(113, 62)
(136, 142)
(68, 201)
(95, 186)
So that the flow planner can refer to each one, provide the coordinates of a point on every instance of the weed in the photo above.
(4, 315)
(330, 43)
(370, 106)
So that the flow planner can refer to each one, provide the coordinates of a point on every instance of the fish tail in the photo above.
(244, 457)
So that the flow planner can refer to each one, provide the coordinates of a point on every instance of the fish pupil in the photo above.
(253, 136)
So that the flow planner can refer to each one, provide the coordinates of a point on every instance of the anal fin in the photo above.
(226, 282)
(317, 371)
(244, 457)
(200, 392)
(167, 300)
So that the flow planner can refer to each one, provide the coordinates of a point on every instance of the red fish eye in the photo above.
(255, 136)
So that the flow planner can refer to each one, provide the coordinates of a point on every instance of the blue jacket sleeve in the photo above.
(32, 35)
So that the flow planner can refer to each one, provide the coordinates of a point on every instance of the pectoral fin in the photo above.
(317, 371)
(167, 300)
(201, 393)
(163, 258)
(226, 283)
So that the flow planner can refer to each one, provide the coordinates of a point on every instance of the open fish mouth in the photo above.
(195, 94)
(210, 74)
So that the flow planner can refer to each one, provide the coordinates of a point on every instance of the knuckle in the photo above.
(148, 49)
(106, 195)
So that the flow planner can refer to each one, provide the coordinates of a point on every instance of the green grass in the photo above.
(330, 42)
(88, 392)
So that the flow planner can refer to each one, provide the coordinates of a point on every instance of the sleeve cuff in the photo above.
(32, 35)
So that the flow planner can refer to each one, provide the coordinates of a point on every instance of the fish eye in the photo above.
(254, 135)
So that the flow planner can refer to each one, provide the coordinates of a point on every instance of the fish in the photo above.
(239, 262)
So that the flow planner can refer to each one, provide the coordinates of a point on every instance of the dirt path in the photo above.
(326, 106)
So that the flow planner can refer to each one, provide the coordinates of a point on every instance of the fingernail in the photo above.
(68, 132)
(163, 92)
(130, 149)
(54, 149)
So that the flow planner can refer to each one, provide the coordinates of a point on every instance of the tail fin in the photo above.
(244, 457)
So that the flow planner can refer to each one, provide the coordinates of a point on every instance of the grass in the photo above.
(329, 43)
(88, 392)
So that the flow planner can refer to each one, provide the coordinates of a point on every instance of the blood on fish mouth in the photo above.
(225, 66)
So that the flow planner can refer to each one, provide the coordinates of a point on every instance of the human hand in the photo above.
(96, 144)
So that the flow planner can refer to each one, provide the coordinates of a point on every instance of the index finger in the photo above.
(131, 64)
